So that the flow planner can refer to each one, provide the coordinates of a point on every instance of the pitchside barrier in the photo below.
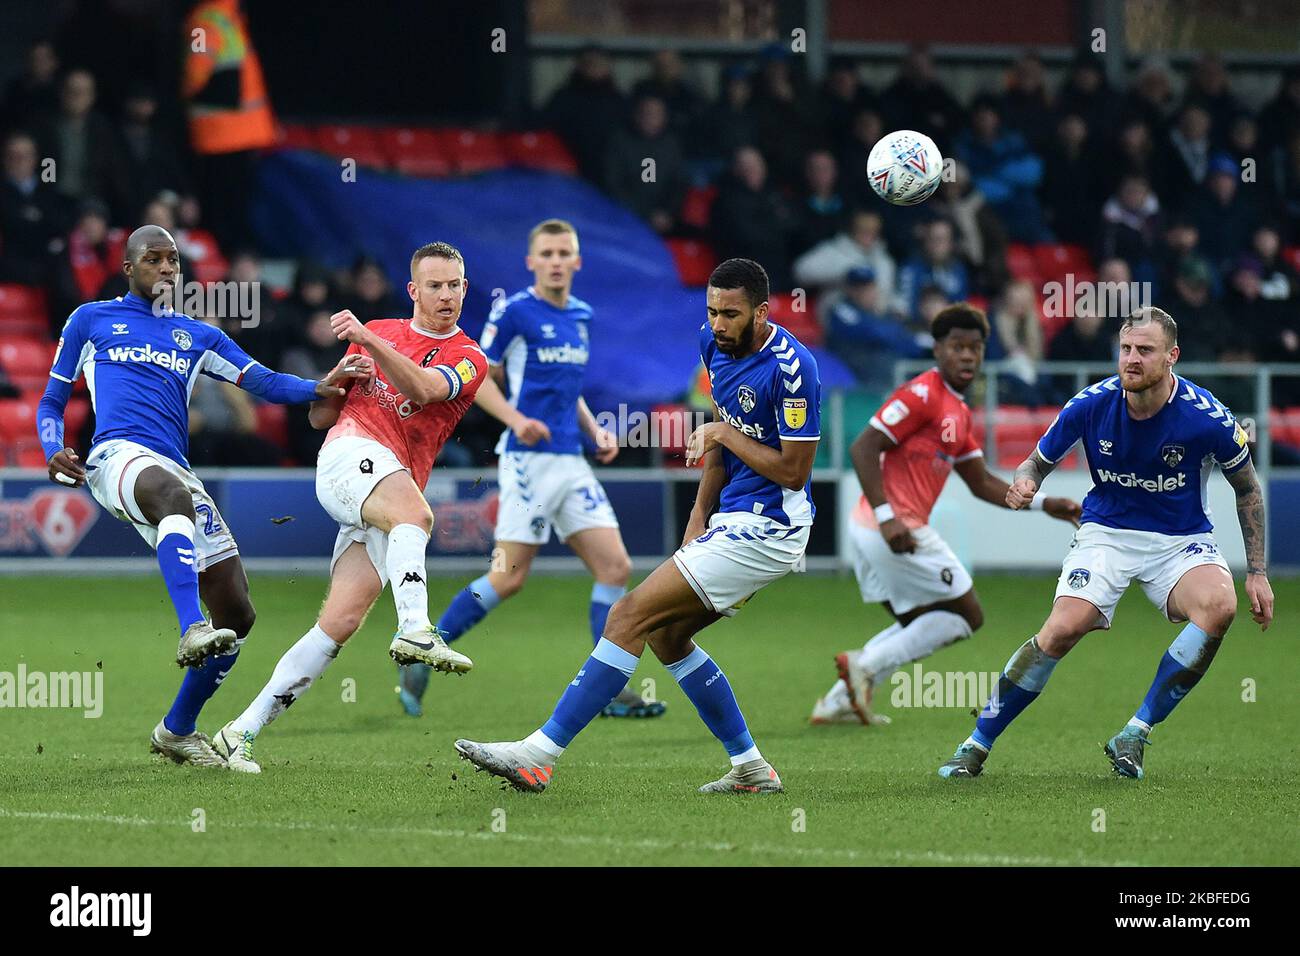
(280, 526)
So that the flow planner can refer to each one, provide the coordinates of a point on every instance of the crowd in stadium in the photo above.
(1196, 194)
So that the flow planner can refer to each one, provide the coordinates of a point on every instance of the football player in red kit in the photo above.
(383, 439)
(903, 459)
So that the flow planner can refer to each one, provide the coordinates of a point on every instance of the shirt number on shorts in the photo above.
(210, 523)
(595, 498)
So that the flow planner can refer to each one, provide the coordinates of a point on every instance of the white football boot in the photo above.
(861, 684)
(200, 641)
(429, 647)
(237, 747)
(826, 711)
(754, 776)
(525, 766)
(193, 749)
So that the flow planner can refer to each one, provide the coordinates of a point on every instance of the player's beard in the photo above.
(742, 343)
(1145, 383)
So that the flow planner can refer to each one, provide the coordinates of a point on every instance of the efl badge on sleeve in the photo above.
(466, 370)
(795, 411)
(1238, 434)
(1173, 454)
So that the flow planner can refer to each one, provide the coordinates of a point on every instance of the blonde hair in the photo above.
(1149, 315)
(553, 227)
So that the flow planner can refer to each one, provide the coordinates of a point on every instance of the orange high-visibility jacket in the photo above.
(227, 103)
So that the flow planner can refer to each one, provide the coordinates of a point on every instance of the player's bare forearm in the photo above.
(324, 412)
(713, 476)
(405, 375)
(983, 484)
(864, 453)
(586, 420)
(790, 466)
(492, 400)
(1251, 517)
(1035, 468)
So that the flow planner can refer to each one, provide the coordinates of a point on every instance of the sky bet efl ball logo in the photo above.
(51, 520)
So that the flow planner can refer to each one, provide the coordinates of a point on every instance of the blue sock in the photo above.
(468, 608)
(601, 678)
(708, 689)
(199, 685)
(1181, 667)
(603, 597)
(1022, 680)
(176, 561)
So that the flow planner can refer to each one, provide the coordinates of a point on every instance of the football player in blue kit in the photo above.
(1151, 439)
(749, 527)
(537, 343)
(140, 359)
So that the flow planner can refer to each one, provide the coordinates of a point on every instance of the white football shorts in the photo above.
(538, 490)
(347, 471)
(112, 468)
(1102, 562)
(929, 575)
(739, 554)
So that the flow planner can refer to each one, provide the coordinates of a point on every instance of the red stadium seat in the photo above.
(475, 152)
(18, 418)
(354, 142)
(26, 361)
(1054, 260)
(671, 423)
(1291, 255)
(698, 205)
(74, 417)
(28, 453)
(273, 423)
(695, 260)
(416, 151)
(802, 324)
(297, 137)
(1021, 262)
(541, 149)
(23, 310)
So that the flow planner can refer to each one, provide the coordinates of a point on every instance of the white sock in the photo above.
(888, 651)
(750, 754)
(406, 574)
(300, 666)
(544, 743)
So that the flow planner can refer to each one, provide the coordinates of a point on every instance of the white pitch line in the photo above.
(897, 856)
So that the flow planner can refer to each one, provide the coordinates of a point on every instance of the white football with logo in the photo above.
(905, 167)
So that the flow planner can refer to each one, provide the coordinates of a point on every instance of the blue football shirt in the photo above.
(140, 368)
(544, 351)
(771, 395)
(1148, 475)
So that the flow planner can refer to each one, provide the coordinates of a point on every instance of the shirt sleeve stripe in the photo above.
(1241, 456)
(800, 437)
(60, 377)
(1038, 449)
(878, 425)
(977, 453)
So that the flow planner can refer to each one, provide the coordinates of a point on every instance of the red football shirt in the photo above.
(414, 433)
(930, 422)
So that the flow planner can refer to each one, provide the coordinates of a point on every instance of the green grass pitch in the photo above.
(356, 782)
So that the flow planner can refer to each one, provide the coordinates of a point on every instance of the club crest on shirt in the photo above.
(182, 338)
(1173, 454)
(795, 411)
(745, 395)
(1079, 578)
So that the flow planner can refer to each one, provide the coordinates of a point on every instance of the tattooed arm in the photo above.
(1250, 515)
(1029, 478)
